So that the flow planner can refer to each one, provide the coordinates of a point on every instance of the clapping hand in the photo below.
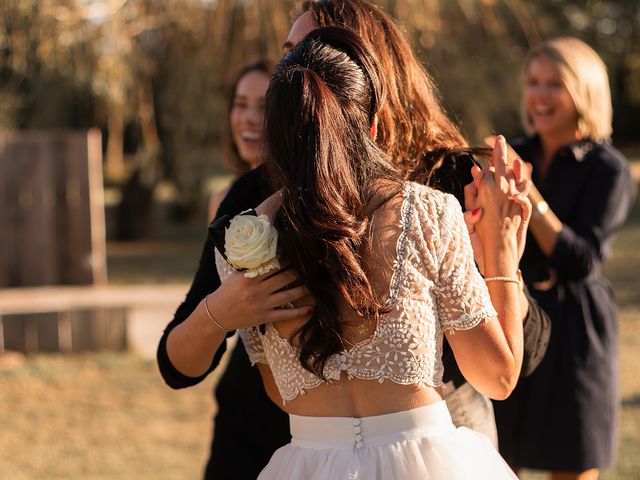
(512, 156)
(499, 195)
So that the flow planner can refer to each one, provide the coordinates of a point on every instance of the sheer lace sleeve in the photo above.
(251, 337)
(462, 297)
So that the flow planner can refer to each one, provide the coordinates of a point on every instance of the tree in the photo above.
(153, 74)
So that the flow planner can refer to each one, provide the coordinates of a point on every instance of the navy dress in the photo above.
(564, 416)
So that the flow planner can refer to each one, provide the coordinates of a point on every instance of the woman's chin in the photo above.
(546, 129)
(250, 155)
(545, 125)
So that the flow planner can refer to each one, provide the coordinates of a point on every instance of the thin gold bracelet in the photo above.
(206, 308)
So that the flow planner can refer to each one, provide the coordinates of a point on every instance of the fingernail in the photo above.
(475, 212)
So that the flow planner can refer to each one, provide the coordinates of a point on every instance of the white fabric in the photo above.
(435, 287)
(417, 444)
(469, 408)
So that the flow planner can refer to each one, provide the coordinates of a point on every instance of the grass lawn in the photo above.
(109, 416)
(100, 416)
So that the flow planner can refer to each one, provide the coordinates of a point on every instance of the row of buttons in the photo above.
(356, 431)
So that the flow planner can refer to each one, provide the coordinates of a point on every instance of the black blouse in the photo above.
(247, 192)
(589, 188)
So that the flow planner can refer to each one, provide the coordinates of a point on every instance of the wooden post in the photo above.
(64, 332)
(1, 334)
(96, 208)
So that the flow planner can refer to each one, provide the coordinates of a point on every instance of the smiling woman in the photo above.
(549, 105)
(563, 418)
(246, 122)
(247, 117)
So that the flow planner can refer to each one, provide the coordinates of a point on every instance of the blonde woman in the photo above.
(564, 417)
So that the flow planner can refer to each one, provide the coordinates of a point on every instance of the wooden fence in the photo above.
(52, 232)
(86, 318)
(51, 209)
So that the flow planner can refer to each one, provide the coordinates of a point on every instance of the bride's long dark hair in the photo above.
(320, 107)
(423, 143)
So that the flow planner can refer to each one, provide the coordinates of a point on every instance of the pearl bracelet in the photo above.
(517, 279)
(206, 308)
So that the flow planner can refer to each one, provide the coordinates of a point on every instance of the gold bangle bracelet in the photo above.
(206, 308)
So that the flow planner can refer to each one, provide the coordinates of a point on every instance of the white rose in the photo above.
(272, 264)
(251, 244)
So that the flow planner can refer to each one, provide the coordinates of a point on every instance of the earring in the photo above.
(581, 124)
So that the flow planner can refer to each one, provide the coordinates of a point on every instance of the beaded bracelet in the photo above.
(502, 279)
(206, 307)
(517, 279)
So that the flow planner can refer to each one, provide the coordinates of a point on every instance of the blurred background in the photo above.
(112, 115)
(153, 75)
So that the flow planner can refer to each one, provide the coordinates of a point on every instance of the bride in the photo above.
(391, 268)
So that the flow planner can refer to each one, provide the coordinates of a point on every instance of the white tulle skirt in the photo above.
(420, 444)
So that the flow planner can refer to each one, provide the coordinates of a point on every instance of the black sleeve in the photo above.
(247, 192)
(537, 329)
(601, 210)
(205, 281)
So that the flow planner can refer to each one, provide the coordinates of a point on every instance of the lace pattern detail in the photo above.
(461, 294)
(222, 266)
(435, 288)
(406, 214)
(251, 337)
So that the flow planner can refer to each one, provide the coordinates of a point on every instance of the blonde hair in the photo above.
(584, 74)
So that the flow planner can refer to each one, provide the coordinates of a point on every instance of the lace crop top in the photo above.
(435, 287)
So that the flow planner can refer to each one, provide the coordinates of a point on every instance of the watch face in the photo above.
(542, 207)
(539, 208)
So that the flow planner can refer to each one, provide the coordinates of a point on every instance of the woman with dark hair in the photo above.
(391, 268)
(246, 122)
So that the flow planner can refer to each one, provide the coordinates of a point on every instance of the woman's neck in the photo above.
(550, 144)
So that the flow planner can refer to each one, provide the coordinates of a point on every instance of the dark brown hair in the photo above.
(414, 129)
(321, 103)
(266, 66)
